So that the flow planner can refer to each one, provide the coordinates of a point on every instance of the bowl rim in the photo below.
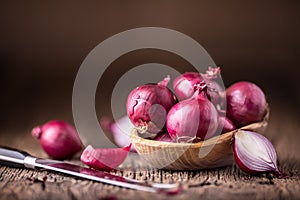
(135, 137)
(206, 143)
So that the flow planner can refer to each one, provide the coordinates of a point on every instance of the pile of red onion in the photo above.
(197, 109)
(203, 111)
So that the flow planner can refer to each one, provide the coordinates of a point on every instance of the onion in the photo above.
(147, 107)
(104, 158)
(215, 92)
(120, 130)
(254, 153)
(184, 85)
(246, 103)
(194, 118)
(225, 124)
(163, 137)
(59, 139)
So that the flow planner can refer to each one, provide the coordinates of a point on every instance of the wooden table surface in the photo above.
(223, 183)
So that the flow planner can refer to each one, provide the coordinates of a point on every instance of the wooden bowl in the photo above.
(212, 153)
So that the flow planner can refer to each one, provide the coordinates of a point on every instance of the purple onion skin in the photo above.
(59, 139)
(246, 103)
(104, 158)
(194, 117)
(184, 84)
(150, 103)
(163, 137)
(225, 124)
(215, 93)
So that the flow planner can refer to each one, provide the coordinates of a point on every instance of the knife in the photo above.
(17, 158)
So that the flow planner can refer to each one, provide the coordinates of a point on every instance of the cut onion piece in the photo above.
(254, 153)
(120, 130)
(104, 158)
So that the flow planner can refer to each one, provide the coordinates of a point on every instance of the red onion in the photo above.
(163, 137)
(225, 124)
(215, 92)
(184, 85)
(246, 103)
(120, 130)
(254, 153)
(104, 158)
(147, 107)
(194, 117)
(59, 139)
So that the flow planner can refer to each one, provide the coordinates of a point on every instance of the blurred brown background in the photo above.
(42, 45)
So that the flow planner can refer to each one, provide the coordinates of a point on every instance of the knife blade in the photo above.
(17, 158)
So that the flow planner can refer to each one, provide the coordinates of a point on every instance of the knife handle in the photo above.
(12, 157)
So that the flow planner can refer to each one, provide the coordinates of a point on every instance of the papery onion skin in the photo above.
(104, 158)
(147, 106)
(250, 162)
(246, 103)
(215, 92)
(59, 139)
(195, 117)
(184, 84)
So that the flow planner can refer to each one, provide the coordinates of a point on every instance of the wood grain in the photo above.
(221, 183)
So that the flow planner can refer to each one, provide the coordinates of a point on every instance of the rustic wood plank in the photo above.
(222, 183)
